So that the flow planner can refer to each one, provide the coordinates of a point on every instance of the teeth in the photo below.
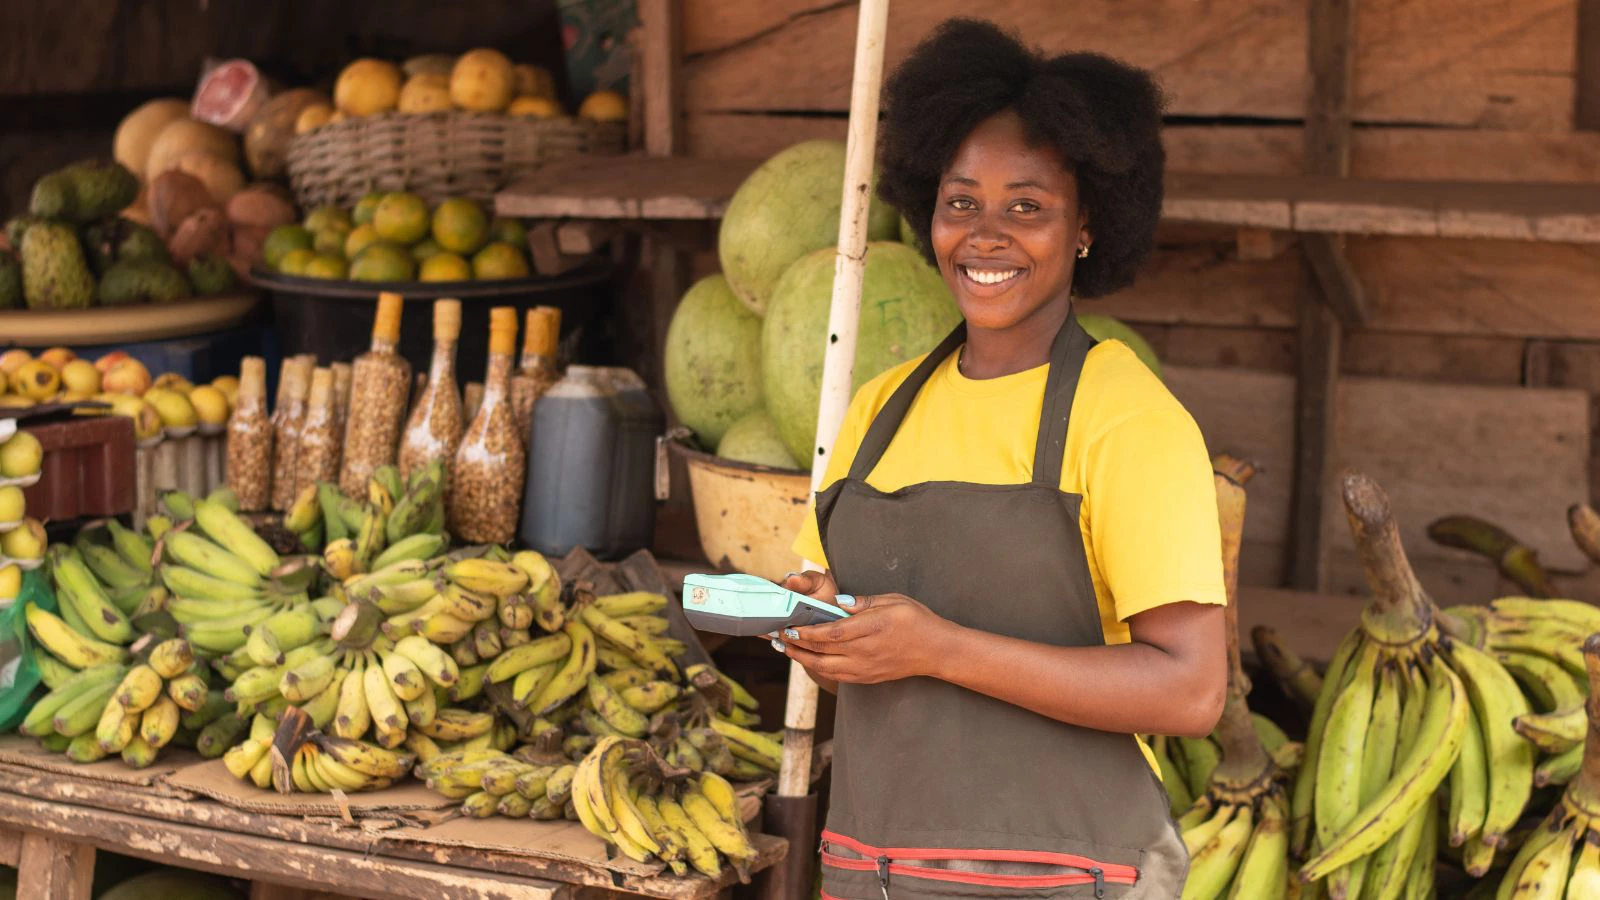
(991, 276)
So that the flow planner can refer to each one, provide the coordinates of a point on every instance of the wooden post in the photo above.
(49, 868)
(1331, 36)
(1587, 115)
(844, 313)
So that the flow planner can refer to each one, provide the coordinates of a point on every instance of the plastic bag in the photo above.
(19, 674)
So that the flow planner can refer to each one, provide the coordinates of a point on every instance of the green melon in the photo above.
(755, 439)
(909, 237)
(713, 360)
(172, 884)
(787, 208)
(905, 310)
(1105, 328)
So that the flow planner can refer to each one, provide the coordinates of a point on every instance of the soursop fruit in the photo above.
(84, 192)
(16, 227)
(116, 239)
(54, 273)
(10, 281)
(210, 274)
(142, 281)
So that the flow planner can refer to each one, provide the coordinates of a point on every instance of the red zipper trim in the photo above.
(1110, 872)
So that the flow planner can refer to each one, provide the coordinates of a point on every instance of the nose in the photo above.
(987, 232)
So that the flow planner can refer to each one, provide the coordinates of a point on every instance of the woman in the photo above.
(1026, 519)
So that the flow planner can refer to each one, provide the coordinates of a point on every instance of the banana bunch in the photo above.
(1561, 859)
(692, 821)
(1538, 642)
(293, 756)
(133, 708)
(397, 521)
(1236, 829)
(1403, 710)
(491, 782)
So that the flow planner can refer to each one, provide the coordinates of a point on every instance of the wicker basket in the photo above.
(437, 156)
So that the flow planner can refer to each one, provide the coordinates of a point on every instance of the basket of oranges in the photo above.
(442, 127)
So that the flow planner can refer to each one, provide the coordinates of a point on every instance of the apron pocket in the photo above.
(1002, 870)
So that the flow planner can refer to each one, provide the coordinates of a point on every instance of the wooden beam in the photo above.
(53, 866)
(1256, 244)
(1315, 427)
(1587, 115)
(545, 248)
(235, 855)
(1337, 284)
(662, 51)
(10, 847)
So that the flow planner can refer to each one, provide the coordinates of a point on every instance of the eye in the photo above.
(1025, 206)
(962, 203)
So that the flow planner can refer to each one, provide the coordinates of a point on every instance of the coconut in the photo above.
(182, 137)
(174, 196)
(139, 129)
(205, 233)
(266, 140)
(260, 206)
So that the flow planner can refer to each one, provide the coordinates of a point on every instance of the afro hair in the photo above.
(1101, 115)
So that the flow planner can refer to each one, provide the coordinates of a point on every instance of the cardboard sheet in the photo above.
(210, 778)
(19, 750)
(560, 839)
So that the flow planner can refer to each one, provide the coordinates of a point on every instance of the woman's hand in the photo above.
(886, 637)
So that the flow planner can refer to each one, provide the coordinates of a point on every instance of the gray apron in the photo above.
(939, 791)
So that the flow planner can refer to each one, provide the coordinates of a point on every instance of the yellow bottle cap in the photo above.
(543, 331)
(446, 320)
(503, 330)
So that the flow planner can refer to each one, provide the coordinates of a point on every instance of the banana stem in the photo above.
(1244, 758)
(1516, 561)
(1588, 781)
(1396, 593)
(1584, 523)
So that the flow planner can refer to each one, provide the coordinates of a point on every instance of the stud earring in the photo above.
(1083, 251)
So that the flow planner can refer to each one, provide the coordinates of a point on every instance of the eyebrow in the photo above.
(1013, 186)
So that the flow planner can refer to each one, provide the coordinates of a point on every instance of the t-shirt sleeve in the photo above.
(808, 544)
(1151, 506)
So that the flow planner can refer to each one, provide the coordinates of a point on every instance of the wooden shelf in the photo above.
(688, 188)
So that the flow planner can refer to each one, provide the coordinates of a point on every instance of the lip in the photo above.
(979, 289)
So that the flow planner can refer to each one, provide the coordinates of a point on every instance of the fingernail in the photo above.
(791, 634)
(846, 601)
(777, 645)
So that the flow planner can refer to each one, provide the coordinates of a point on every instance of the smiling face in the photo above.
(1007, 226)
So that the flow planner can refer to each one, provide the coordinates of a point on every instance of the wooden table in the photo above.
(51, 826)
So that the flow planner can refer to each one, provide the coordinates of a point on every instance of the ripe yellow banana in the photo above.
(701, 853)
(451, 724)
(1212, 867)
(429, 658)
(635, 645)
(407, 680)
(221, 525)
(634, 603)
(650, 698)
(172, 658)
(728, 840)
(67, 645)
(574, 673)
(487, 576)
(388, 717)
(140, 688)
(242, 759)
(615, 711)
(540, 652)
(159, 723)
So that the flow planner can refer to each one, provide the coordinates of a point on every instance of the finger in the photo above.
(803, 582)
(855, 604)
(840, 631)
(819, 664)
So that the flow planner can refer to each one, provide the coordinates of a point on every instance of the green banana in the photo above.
(1497, 701)
(196, 552)
(223, 526)
(134, 548)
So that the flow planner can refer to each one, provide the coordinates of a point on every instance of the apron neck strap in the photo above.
(888, 419)
(1067, 353)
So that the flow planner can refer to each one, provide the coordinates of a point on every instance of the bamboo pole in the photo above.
(843, 315)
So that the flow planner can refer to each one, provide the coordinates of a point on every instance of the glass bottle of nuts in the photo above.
(318, 458)
(380, 384)
(250, 438)
(491, 464)
(434, 430)
(536, 371)
(287, 421)
(341, 400)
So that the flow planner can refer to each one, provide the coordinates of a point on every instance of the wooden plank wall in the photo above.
(1442, 89)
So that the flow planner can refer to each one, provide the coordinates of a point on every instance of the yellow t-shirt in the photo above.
(1135, 455)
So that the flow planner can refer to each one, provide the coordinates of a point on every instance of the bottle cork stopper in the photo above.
(299, 378)
(503, 330)
(543, 331)
(446, 320)
(253, 377)
(386, 324)
(321, 387)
